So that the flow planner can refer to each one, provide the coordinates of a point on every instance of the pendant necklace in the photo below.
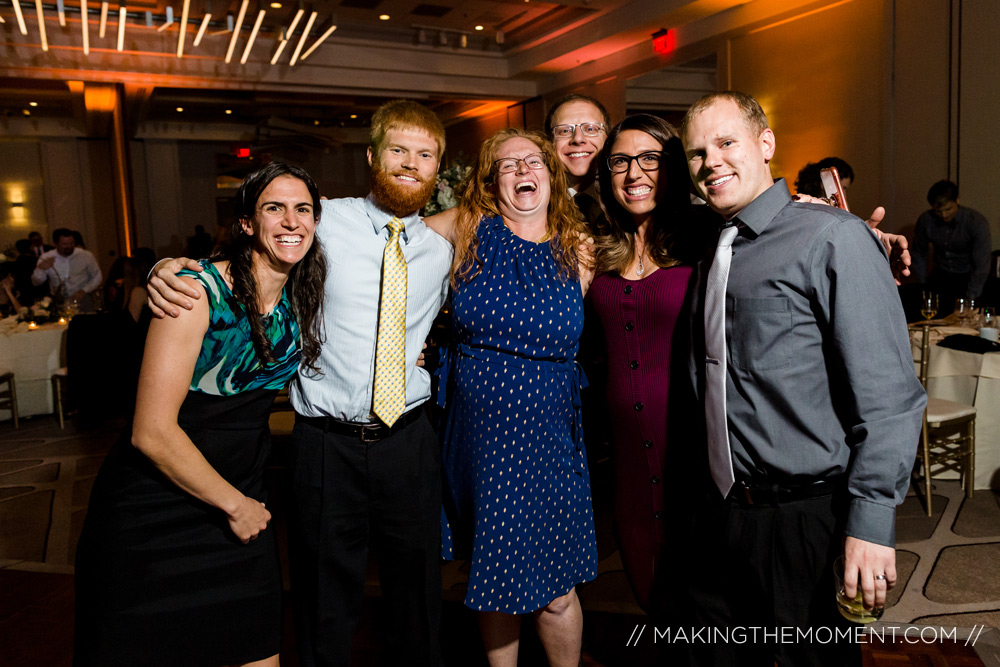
(640, 269)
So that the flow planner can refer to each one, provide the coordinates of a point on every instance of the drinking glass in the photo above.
(851, 609)
(929, 307)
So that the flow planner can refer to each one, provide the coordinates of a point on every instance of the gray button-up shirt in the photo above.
(354, 233)
(821, 380)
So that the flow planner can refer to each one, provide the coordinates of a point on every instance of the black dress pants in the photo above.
(349, 495)
(769, 567)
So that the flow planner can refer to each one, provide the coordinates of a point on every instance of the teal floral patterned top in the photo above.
(228, 363)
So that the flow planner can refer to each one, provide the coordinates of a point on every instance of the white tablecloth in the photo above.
(974, 379)
(32, 355)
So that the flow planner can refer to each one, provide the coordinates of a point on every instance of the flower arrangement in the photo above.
(444, 196)
(39, 313)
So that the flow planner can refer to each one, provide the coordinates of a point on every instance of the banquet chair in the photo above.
(59, 378)
(8, 396)
(948, 437)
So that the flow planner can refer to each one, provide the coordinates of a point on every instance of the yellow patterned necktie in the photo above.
(390, 353)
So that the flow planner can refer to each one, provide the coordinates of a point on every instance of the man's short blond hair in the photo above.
(399, 114)
(749, 108)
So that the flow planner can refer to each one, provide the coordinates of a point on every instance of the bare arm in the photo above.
(444, 223)
(172, 348)
(167, 291)
(896, 245)
(7, 285)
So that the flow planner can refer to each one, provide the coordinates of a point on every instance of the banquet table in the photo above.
(32, 354)
(969, 378)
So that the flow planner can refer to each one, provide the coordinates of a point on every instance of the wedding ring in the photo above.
(879, 577)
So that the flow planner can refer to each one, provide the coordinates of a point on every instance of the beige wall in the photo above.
(819, 79)
(979, 102)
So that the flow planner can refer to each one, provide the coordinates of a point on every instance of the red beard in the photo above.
(399, 199)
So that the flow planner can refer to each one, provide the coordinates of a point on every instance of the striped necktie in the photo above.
(720, 458)
(389, 399)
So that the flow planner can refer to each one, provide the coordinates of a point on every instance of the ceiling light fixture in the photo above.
(479, 27)
(41, 25)
(121, 27)
(182, 30)
(275, 5)
(253, 36)
(286, 35)
(201, 31)
(180, 109)
(61, 11)
(84, 27)
(236, 30)
(229, 112)
(383, 17)
(353, 116)
(26, 113)
(104, 18)
(32, 104)
(302, 40)
(20, 17)
(170, 19)
(322, 38)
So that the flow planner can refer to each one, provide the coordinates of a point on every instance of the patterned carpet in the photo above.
(949, 564)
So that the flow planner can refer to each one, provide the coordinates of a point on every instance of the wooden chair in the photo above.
(8, 396)
(948, 438)
(59, 379)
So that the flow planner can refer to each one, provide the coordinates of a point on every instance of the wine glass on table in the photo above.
(929, 307)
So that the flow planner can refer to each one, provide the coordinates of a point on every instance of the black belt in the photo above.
(756, 492)
(366, 431)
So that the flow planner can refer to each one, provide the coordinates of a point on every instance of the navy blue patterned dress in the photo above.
(160, 577)
(517, 498)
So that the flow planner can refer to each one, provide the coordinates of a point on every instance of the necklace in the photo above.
(640, 269)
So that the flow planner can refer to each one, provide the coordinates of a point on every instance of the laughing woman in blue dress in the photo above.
(518, 490)
(176, 565)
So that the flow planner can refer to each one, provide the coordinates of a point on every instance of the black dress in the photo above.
(160, 577)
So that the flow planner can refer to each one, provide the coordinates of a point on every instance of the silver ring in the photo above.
(879, 577)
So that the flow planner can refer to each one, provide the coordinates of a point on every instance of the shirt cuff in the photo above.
(871, 522)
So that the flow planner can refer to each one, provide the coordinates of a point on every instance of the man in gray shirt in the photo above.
(821, 409)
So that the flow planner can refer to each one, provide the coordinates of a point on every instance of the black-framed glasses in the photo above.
(508, 165)
(569, 129)
(648, 161)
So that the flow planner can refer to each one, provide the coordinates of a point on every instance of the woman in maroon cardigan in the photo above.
(644, 268)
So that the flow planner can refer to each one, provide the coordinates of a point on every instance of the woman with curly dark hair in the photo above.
(644, 267)
(175, 565)
(517, 493)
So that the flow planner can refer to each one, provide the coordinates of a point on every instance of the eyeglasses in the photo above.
(648, 161)
(568, 130)
(508, 165)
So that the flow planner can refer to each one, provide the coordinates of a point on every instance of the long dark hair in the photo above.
(305, 281)
(670, 241)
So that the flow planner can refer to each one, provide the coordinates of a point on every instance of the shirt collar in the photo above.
(759, 213)
(380, 217)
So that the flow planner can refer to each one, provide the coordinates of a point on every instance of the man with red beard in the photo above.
(362, 475)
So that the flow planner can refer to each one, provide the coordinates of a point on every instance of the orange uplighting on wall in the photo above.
(664, 41)
(99, 98)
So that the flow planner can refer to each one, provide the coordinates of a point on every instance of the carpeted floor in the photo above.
(948, 563)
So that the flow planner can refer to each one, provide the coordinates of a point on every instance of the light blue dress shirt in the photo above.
(354, 233)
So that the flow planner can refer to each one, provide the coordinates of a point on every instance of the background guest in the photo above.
(72, 272)
(960, 238)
